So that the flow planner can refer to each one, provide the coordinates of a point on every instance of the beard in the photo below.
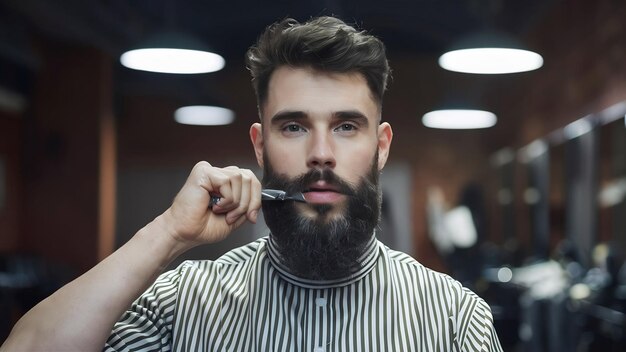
(329, 244)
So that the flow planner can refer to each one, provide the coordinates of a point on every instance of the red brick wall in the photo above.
(61, 193)
(584, 48)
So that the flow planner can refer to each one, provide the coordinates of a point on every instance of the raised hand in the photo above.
(190, 219)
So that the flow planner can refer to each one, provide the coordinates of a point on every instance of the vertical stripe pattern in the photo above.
(246, 301)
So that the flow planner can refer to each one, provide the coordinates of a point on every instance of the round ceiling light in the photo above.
(172, 52)
(490, 52)
(204, 115)
(490, 60)
(459, 119)
(172, 60)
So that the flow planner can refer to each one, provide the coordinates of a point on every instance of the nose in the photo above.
(321, 152)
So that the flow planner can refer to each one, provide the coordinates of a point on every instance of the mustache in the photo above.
(303, 182)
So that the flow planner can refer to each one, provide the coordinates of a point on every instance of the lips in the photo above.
(321, 192)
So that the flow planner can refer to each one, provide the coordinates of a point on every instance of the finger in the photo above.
(244, 198)
(238, 222)
(215, 182)
(189, 193)
(255, 198)
(235, 180)
(231, 191)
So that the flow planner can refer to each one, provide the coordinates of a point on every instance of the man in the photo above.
(320, 281)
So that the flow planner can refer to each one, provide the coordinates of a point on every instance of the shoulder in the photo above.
(230, 260)
(244, 253)
(427, 282)
(442, 295)
(413, 269)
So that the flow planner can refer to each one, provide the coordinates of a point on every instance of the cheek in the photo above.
(286, 160)
(352, 164)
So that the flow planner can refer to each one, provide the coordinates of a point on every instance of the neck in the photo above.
(360, 267)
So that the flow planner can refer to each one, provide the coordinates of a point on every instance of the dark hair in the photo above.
(324, 43)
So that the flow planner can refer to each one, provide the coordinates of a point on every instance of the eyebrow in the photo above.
(299, 115)
(352, 115)
(288, 115)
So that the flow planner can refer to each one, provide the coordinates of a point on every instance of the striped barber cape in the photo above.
(247, 301)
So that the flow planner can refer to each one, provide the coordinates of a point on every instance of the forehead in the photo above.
(317, 92)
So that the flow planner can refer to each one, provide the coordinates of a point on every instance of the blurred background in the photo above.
(529, 213)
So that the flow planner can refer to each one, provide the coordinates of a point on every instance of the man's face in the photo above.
(321, 136)
(322, 247)
(317, 120)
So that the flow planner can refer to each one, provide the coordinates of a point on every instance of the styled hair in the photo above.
(324, 43)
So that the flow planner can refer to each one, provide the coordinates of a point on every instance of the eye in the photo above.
(346, 127)
(292, 128)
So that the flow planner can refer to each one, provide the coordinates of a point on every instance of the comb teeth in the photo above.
(268, 194)
(274, 194)
(298, 197)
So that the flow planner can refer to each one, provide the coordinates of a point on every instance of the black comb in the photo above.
(269, 194)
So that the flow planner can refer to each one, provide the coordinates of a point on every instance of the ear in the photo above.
(385, 135)
(256, 136)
